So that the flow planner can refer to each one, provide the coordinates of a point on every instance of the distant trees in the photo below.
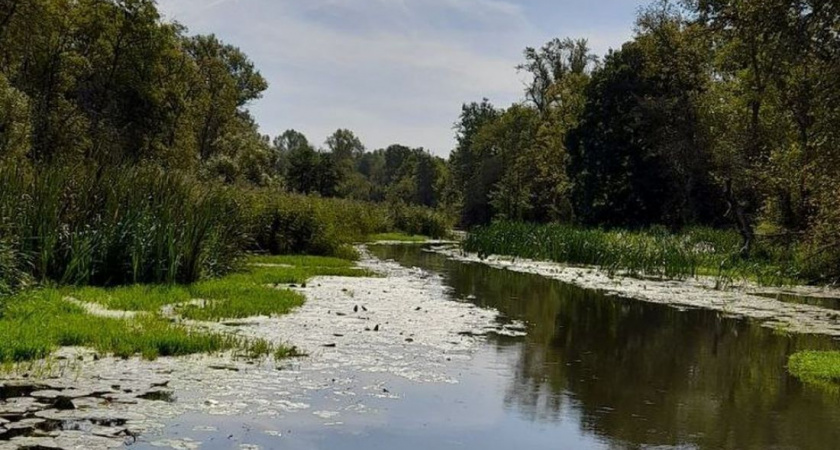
(345, 169)
(717, 112)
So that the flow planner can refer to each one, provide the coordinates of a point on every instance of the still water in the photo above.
(593, 372)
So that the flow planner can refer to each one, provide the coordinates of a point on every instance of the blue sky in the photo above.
(393, 71)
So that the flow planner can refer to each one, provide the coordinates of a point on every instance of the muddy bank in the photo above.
(740, 300)
(360, 334)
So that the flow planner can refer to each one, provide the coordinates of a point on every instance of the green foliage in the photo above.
(77, 225)
(35, 323)
(820, 368)
(417, 220)
(716, 113)
(653, 252)
(281, 224)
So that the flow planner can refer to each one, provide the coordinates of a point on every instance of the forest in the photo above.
(718, 114)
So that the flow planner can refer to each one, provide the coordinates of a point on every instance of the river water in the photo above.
(593, 371)
(443, 354)
(597, 371)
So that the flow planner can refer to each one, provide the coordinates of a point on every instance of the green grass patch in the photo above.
(133, 298)
(257, 290)
(236, 299)
(300, 260)
(397, 237)
(821, 368)
(35, 323)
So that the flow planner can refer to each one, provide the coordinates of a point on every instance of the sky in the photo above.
(394, 71)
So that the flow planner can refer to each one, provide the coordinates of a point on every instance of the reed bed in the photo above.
(654, 252)
(80, 225)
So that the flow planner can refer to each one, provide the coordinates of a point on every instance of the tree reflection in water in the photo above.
(641, 374)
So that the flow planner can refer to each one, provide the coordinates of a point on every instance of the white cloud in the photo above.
(391, 70)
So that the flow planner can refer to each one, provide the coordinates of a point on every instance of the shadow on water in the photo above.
(642, 374)
(822, 302)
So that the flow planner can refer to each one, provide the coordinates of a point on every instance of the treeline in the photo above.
(106, 82)
(718, 112)
(128, 155)
(396, 174)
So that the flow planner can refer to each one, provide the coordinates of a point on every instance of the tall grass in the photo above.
(296, 224)
(653, 252)
(78, 225)
(126, 225)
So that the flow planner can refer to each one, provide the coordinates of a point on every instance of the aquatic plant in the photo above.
(820, 368)
(653, 252)
(79, 225)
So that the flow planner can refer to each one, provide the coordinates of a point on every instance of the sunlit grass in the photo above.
(819, 368)
(397, 237)
(654, 252)
(300, 260)
(36, 322)
(133, 298)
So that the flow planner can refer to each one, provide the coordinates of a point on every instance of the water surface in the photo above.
(593, 372)
(635, 374)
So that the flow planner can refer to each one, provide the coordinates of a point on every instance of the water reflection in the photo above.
(643, 374)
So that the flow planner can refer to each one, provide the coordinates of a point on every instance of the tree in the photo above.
(551, 64)
(472, 171)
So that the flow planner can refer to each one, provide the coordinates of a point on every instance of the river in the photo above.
(591, 371)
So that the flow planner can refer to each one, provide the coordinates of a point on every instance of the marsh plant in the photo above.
(652, 252)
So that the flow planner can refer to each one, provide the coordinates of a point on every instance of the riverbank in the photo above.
(398, 324)
(743, 299)
(148, 320)
(658, 252)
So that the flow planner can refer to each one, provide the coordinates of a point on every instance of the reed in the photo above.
(653, 252)
(75, 225)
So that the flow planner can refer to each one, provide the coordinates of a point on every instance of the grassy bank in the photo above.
(139, 238)
(36, 322)
(817, 368)
(78, 225)
(654, 252)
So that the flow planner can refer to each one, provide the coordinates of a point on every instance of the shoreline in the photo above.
(364, 337)
(737, 301)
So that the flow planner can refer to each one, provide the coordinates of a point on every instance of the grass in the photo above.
(821, 368)
(256, 290)
(107, 226)
(36, 322)
(87, 225)
(397, 237)
(300, 260)
(654, 252)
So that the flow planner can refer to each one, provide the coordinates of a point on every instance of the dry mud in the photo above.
(357, 333)
(739, 300)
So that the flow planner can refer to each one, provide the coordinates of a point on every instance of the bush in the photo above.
(419, 221)
(280, 223)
